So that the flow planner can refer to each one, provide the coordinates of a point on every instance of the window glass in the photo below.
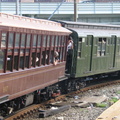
(22, 51)
(21, 62)
(47, 57)
(27, 58)
(79, 47)
(63, 41)
(33, 59)
(43, 58)
(56, 41)
(17, 40)
(61, 54)
(59, 42)
(9, 63)
(48, 41)
(39, 40)
(101, 47)
(16, 62)
(34, 40)
(1, 59)
(44, 41)
(53, 40)
(38, 59)
(10, 40)
(23, 40)
(28, 40)
(3, 40)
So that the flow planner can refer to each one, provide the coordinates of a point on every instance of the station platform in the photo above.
(112, 113)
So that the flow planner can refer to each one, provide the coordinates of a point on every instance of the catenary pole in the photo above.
(17, 7)
(75, 11)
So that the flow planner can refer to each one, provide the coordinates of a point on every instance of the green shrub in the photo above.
(101, 105)
(113, 100)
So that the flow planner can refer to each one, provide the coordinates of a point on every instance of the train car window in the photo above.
(10, 40)
(28, 40)
(23, 40)
(33, 59)
(34, 40)
(59, 42)
(17, 40)
(79, 47)
(44, 41)
(9, 63)
(39, 41)
(3, 40)
(63, 42)
(51, 56)
(56, 41)
(47, 57)
(27, 61)
(43, 57)
(16, 62)
(60, 55)
(101, 47)
(21, 52)
(38, 59)
(1, 59)
(21, 62)
(53, 41)
(48, 41)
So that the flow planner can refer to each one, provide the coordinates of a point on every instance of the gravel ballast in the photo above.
(90, 112)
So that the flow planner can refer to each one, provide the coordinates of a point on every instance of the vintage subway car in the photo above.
(96, 51)
(26, 48)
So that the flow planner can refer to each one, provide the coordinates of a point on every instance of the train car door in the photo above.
(113, 51)
(88, 53)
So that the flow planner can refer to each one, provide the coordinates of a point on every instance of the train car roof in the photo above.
(84, 29)
(31, 23)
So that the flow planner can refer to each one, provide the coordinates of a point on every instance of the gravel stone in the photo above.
(88, 113)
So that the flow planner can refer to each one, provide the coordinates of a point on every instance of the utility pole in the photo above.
(17, 7)
(75, 11)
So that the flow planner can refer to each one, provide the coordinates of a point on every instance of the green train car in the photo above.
(96, 49)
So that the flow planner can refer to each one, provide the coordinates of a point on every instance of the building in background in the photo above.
(106, 0)
(43, 0)
(79, 1)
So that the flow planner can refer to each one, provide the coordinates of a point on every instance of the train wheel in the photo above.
(77, 85)
(82, 84)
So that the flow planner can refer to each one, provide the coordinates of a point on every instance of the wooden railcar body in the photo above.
(26, 48)
(96, 49)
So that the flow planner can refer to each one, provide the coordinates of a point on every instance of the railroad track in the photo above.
(19, 115)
